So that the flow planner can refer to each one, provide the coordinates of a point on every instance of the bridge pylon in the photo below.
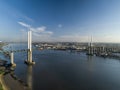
(90, 48)
(29, 60)
(12, 60)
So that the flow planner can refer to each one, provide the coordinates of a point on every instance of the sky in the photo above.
(60, 20)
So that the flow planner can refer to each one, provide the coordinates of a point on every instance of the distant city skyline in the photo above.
(60, 20)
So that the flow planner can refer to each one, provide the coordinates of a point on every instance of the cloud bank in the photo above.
(24, 24)
(38, 33)
(41, 34)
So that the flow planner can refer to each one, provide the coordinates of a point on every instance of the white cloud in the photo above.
(41, 29)
(38, 29)
(42, 34)
(39, 33)
(59, 25)
(24, 24)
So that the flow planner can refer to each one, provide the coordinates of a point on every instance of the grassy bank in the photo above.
(2, 73)
(1, 76)
(1, 88)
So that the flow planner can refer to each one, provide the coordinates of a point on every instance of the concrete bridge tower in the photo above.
(90, 48)
(29, 58)
(12, 59)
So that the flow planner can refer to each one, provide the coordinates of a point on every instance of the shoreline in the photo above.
(2, 82)
(4, 86)
(8, 80)
(13, 83)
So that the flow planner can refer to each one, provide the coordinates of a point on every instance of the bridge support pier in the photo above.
(12, 60)
(29, 60)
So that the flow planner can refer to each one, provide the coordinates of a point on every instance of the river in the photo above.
(63, 70)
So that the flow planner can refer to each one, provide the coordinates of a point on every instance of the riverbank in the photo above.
(2, 72)
(3, 85)
(8, 80)
(13, 84)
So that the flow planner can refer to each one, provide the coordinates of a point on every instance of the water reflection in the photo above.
(90, 63)
(29, 77)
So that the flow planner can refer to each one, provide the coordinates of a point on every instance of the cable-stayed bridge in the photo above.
(29, 50)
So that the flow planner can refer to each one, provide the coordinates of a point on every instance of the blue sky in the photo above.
(60, 20)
